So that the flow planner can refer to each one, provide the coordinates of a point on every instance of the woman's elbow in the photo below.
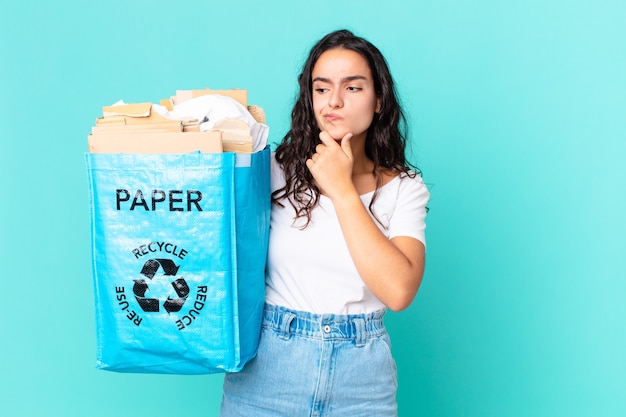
(401, 299)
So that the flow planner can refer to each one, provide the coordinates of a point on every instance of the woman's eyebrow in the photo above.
(345, 79)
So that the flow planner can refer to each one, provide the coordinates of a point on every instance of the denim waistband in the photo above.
(357, 327)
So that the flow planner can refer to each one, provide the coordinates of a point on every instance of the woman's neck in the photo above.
(361, 164)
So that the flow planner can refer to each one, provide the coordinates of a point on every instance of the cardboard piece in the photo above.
(130, 129)
(131, 110)
(257, 112)
(133, 114)
(155, 143)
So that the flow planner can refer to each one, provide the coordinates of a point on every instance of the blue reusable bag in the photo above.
(179, 244)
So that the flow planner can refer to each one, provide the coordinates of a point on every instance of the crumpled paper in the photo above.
(212, 110)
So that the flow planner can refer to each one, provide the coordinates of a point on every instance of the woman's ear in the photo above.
(378, 105)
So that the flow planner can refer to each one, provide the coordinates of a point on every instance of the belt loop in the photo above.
(359, 325)
(285, 326)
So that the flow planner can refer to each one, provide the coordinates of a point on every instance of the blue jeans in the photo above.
(315, 365)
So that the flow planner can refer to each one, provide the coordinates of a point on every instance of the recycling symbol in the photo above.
(149, 270)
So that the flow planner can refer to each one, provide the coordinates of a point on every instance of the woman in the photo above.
(346, 243)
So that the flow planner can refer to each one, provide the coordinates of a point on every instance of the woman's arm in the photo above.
(391, 269)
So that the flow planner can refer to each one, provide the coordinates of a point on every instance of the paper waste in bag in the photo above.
(193, 120)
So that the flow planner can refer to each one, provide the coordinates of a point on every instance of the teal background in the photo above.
(518, 120)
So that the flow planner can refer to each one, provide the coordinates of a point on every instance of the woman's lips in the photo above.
(331, 117)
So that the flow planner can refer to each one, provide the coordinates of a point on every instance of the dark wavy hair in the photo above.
(385, 142)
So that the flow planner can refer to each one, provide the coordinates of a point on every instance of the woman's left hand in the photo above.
(331, 165)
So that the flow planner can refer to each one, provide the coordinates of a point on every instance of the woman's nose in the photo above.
(335, 100)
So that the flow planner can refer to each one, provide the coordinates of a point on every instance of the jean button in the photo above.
(327, 329)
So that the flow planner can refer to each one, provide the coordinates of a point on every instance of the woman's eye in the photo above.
(321, 90)
(353, 88)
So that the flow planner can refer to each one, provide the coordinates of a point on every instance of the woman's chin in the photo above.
(337, 134)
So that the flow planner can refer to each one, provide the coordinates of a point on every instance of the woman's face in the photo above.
(344, 99)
